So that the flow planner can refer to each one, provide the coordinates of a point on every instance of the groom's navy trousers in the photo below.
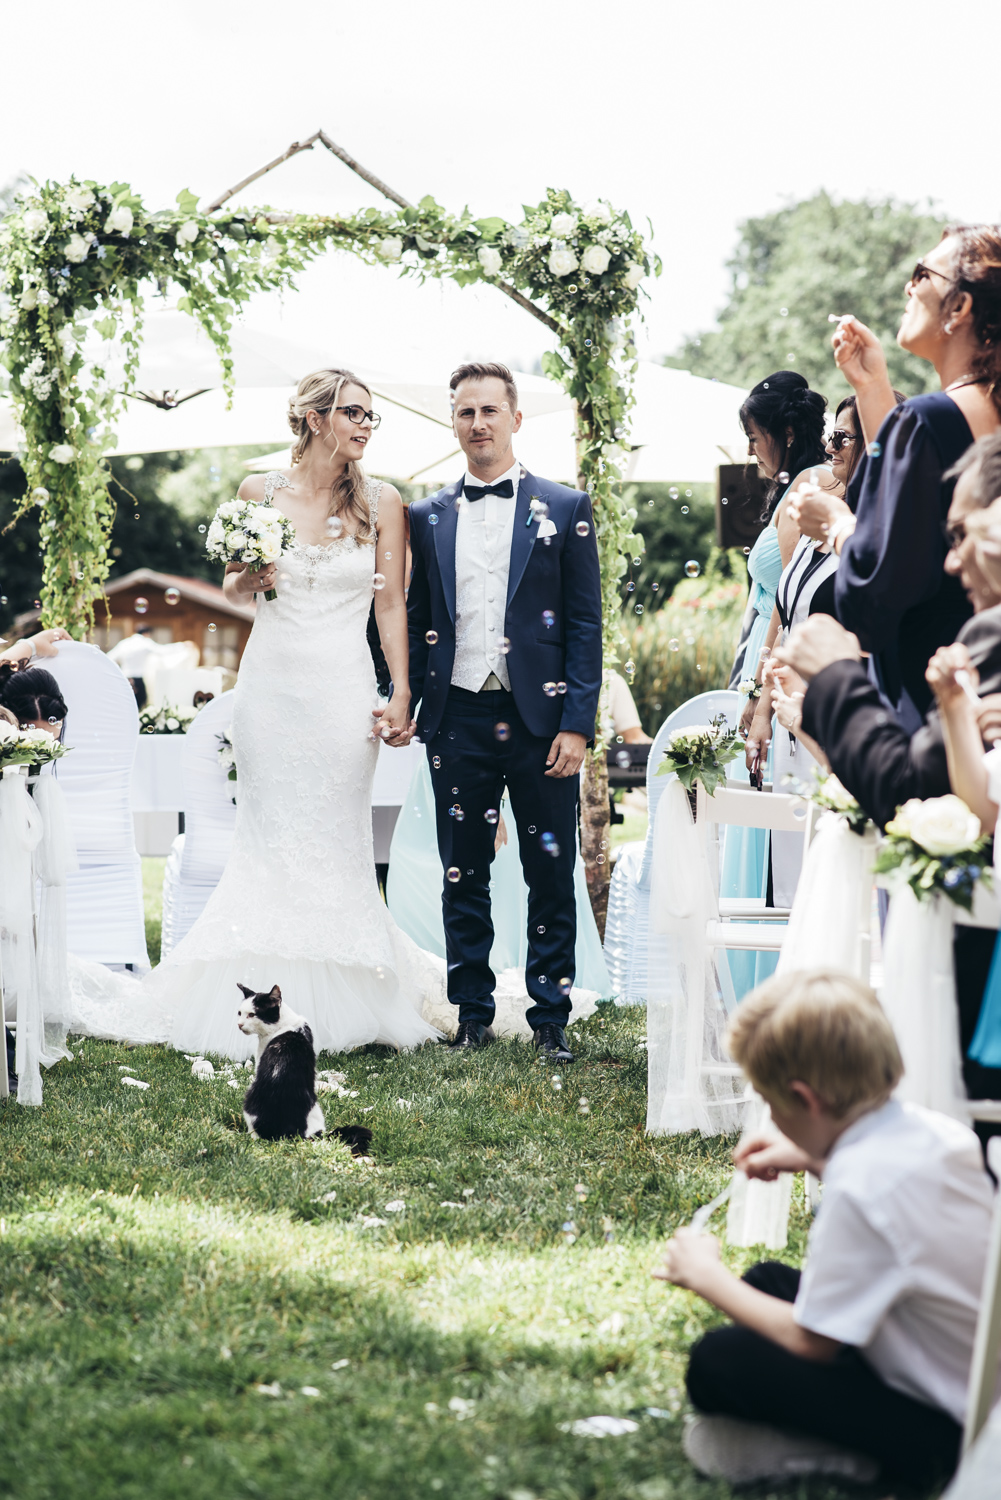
(481, 746)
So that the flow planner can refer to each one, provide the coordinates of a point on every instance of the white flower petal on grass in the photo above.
(396, 1206)
(468, 1192)
(372, 1221)
(340, 1364)
(133, 1083)
(600, 1426)
(233, 1083)
(447, 1203)
(405, 1103)
(460, 1406)
(202, 1068)
(309, 1390)
(268, 1390)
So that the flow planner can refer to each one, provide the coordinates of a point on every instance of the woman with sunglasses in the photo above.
(891, 590)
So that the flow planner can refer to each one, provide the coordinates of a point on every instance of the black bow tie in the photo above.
(505, 489)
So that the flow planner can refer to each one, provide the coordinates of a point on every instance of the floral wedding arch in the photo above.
(78, 253)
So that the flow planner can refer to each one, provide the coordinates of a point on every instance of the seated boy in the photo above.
(859, 1365)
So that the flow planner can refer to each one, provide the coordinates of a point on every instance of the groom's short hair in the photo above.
(476, 371)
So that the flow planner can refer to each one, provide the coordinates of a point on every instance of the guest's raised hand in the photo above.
(858, 354)
(46, 642)
(788, 692)
(688, 1257)
(815, 644)
(817, 512)
(989, 718)
(940, 673)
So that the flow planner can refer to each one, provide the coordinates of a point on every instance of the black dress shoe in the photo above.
(471, 1034)
(552, 1042)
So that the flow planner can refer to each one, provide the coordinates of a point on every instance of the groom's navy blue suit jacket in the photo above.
(559, 575)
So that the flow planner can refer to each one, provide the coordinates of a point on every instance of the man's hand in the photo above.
(815, 644)
(566, 754)
(393, 724)
(690, 1258)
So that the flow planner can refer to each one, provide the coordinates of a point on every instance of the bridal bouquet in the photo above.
(166, 719)
(937, 846)
(243, 531)
(702, 753)
(28, 747)
(829, 794)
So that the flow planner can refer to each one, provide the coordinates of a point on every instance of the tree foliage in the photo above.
(792, 269)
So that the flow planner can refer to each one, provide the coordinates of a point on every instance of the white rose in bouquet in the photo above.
(235, 541)
(35, 221)
(76, 249)
(597, 210)
(837, 795)
(391, 248)
(120, 221)
(188, 232)
(563, 226)
(216, 533)
(595, 260)
(79, 199)
(271, 546)
(942, 825)
(35, 736)
(490, 259)
(173, 724)
(62, 453)
(634, 275)
(8, 732)
(562, 262)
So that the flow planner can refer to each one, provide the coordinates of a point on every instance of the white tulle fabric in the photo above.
(199, 855)
(919, 997)
(54, 861)
(298, 904)
(691, 1082)
(20, 832)
(828, 929)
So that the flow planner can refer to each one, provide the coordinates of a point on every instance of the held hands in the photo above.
(566, 754)
(858, 354)
(815, 644)
(393, 724)
(940, 674)
(690, 1258)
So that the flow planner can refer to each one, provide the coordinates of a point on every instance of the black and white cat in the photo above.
(281, 1102)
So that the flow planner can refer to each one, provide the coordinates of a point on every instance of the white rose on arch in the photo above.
(634, 275)
(62, 453)
(120, 221)
(597, 210)
(563, 226)
(76, 249)
(490, 259)
(942, 825)
(391, 248)
(562, 262)
(79, 199)
(35, 221)
(595, 260)
(188, 232)
(29, 298)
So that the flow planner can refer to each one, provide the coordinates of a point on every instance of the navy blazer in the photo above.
(560, 574)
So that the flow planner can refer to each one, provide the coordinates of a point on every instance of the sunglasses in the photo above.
(839, 437)
(358, 415)
(921, 273)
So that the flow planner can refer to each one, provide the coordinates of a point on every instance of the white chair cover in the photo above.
(20, 832)
(632, 909)
(198, 856)
(104, 906)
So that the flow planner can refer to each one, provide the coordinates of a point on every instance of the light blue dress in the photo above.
(413, 892)
(744, 854)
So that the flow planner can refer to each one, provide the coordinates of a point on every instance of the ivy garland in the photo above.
(78, 253)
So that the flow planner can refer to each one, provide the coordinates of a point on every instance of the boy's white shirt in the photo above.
(895, 1259)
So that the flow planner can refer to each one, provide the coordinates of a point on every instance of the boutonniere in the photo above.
(538, 510)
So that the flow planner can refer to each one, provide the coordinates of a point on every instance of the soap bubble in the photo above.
(673, 645)
(549, 688)
(552, 848)
(782, 477)
(875, 449)
(674, 492)
(3, 598)
(459, 814)
(335, 525)
(432, 520)
(548, 618)
(141, 605)
(689, 494)
(630, 587)
(455, 791)
(639, 609)
(582, 528)
(692, 569)
(724, 500)
(436, 762)
(389, 557)
(622, 759)
(202, 529)
(684, 510)
(783, 312)
(531, 827)
(431, 637)
(212, 626)
(503, 645)
(564, 986)
(491, 815)
(172, 596)
(561, 688)
(502, 732)
(453, 875)
(540, 929)
(378, 581)
(747, 551)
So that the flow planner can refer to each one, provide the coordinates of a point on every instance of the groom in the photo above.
(505, 661)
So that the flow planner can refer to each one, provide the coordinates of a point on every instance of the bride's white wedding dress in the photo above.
(298, 904)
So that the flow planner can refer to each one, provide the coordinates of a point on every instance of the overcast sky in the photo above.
(695, 115)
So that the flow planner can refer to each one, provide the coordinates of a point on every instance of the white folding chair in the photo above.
(627, 923)
(198, 855)
(104, 901)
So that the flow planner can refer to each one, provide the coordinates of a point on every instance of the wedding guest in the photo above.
(34, 697)
(132, 654)
(859, 1365)
(44, 643)
(891, 590)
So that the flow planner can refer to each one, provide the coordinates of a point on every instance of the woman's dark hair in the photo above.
(777, 405)
(31, 694)
(978, 271)
(848, 403)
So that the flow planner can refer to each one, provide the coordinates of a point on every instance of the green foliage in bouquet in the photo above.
(936, 846)
(828, 793)
(702, 753)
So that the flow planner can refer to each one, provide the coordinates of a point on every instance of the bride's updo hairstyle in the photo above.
(781, 405)
(321, 392)
(31, 694)
(978, 271)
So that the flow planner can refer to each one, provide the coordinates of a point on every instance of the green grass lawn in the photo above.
(190, 1313)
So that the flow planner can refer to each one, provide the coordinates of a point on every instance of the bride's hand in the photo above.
(256, 583)
(393, 723)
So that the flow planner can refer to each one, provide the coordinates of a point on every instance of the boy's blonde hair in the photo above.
(821, 1028)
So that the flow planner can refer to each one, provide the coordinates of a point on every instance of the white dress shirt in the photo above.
(895, 1259)
(483, 533)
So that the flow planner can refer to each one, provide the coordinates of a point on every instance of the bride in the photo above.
(298, 904)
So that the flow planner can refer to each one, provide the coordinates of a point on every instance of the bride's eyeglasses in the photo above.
(839, 437)
(358, 415)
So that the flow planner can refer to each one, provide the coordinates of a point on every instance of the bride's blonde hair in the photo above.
(321, 392)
